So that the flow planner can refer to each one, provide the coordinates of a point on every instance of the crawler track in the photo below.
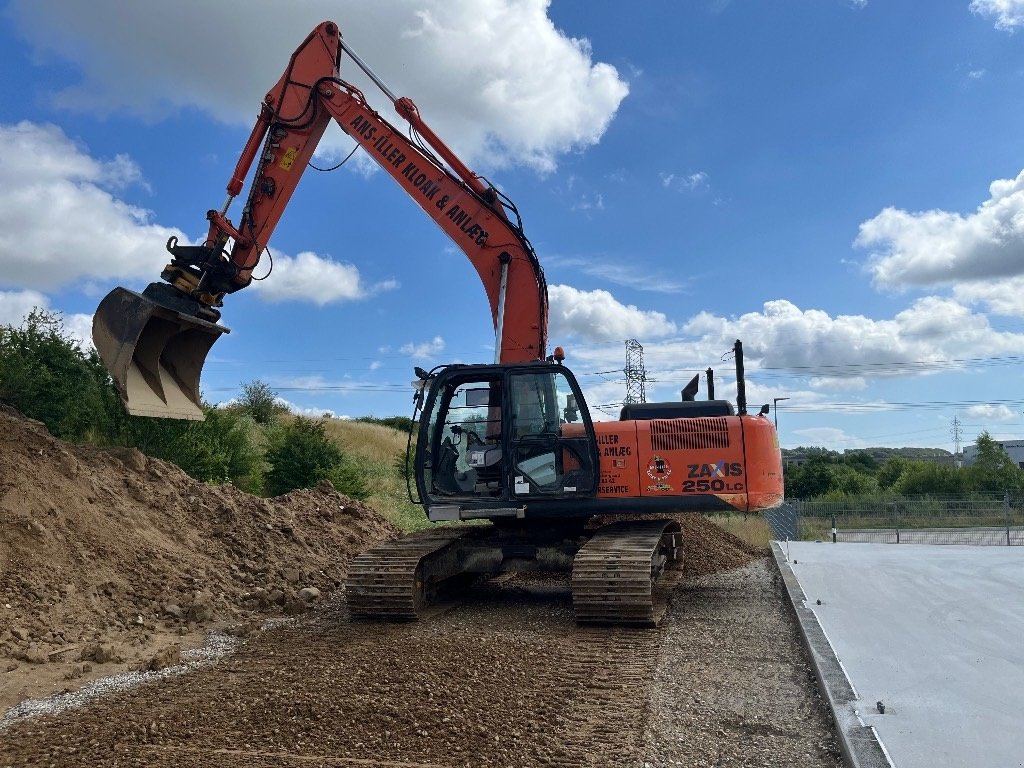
(624, 574)
(397, 580)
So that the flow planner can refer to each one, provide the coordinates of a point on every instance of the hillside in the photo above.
(379, 451)
(879, 454)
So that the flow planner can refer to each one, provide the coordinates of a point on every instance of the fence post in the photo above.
(1006, 514)
(833, 528)
(896, 520)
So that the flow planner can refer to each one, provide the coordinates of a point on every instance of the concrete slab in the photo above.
(859, 742)
(934, 633)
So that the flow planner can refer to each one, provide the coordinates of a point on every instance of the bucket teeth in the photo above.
(154, 353)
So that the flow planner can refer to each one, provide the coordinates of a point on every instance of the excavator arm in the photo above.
(154, 344)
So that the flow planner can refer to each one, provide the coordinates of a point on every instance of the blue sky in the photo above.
(838, 183)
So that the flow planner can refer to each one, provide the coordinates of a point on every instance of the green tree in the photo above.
(923, 477)
(862, 461)
(891, 472)
(301, 454)
(261, 403)
(993, 470)
(47, 376)
(810, 479)
(348, 478)
(848, 481)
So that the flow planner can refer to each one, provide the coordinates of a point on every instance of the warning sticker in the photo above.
(289, 158)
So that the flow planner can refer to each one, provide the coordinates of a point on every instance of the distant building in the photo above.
(1014, 449)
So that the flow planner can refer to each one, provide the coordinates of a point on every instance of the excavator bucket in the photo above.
(154, 352)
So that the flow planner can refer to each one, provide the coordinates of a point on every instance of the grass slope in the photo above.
(379, 452)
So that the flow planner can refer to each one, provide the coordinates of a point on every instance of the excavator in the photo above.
(511, 442)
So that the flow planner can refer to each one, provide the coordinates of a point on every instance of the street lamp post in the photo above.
(776, 401)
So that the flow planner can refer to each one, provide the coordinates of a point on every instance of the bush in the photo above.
(226, 446)
(401, 423)
(48, 377)
(300, 455)
(348, 478)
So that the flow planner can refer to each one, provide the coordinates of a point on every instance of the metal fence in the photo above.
(974, 520)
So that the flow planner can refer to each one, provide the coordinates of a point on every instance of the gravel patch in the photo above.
(733, 685)
(505, 679)
(216, 647)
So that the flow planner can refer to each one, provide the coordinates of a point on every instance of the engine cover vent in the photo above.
(689, 434)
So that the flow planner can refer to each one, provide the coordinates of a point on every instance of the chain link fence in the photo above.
(904, 520)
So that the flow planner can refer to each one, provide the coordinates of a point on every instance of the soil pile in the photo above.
(707, 548)
(102, 550)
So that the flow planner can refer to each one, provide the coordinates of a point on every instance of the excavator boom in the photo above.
(155, 343)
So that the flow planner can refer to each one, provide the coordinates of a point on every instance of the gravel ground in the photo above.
(505, 679)
(733, 685)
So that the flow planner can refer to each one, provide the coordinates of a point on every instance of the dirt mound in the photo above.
(707, 547)
(102, 550)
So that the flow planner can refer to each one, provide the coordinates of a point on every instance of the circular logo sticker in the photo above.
(658, 468)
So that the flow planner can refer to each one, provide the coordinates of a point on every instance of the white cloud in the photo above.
(310, 277)
(630, 275)
(938, 247)
(830, 437)
(588, 203)
(58, 223)
(45, 177)
(838, 383)
(687, 182)
(79, 327)
(423, 350)
(1002, 297)
(599, 316)
(313, 412)
(991, 413)
(784, 336)
(16, 305)
(496, 79)
(1008, 14)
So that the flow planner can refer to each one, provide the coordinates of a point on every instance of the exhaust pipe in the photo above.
(154, 346)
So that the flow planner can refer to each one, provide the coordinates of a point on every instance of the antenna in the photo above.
(636, 375)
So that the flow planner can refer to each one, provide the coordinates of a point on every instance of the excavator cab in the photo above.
(494, 438)
(154, 345)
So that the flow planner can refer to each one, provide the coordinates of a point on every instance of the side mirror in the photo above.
(764, 410)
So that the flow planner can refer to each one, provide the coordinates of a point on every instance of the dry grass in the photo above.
(751, 529)
(378, 451)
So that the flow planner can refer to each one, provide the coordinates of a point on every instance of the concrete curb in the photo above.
(858, 742)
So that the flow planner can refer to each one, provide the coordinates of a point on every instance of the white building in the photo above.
(1014, 449)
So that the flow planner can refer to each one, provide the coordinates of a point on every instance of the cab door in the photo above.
(552, 447)
(460, 454)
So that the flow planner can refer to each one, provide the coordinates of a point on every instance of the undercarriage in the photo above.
(622, 572)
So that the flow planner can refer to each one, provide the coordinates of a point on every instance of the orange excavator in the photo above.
(511, 442)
